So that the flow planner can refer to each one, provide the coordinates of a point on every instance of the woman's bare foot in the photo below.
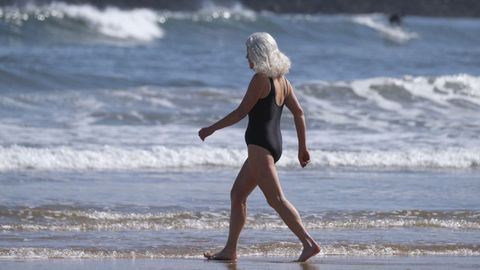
(222, 255)
(308, 252)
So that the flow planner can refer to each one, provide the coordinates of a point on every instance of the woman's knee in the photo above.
(238, 196)
(277, 202)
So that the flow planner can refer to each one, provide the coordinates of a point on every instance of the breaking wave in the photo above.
(393, 33)
(138, 24)
(58, 19)
(161, 157)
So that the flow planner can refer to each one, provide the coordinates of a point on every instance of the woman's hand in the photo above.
(205, 132)
(303, 157)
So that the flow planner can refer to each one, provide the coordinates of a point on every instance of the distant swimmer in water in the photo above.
(395, 19)
(268, 91)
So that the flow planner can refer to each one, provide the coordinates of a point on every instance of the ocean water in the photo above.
(100, 108)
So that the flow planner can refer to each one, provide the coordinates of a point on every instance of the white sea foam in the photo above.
(161, 157)
(377, 103)
(137, 24)
(394, 33)
(96, 220)
(287, 249)
(439, 90)
(116, 158)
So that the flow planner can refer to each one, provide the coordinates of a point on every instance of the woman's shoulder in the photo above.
(260, 77)
(260, 82)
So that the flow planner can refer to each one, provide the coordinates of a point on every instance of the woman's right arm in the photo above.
(293, 105)
(257, 86)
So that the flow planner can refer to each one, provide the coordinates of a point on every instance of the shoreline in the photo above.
(324, 262)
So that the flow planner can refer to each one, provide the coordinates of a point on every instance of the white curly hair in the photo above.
(263, 52)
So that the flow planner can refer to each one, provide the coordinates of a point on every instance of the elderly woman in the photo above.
(268, 91)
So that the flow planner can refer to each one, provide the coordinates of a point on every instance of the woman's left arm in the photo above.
(258, 83)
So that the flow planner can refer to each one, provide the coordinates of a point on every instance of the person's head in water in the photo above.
(395, 19)
(265, 57)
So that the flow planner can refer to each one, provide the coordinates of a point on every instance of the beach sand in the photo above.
(320, 263)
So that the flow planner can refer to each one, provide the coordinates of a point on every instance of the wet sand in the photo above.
(319, 263)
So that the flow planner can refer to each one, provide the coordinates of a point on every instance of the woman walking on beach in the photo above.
(267, 92)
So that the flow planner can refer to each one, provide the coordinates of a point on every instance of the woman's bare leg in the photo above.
(243, 186)
(263, 167)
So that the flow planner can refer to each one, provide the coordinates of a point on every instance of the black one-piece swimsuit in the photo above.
(264, 124)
